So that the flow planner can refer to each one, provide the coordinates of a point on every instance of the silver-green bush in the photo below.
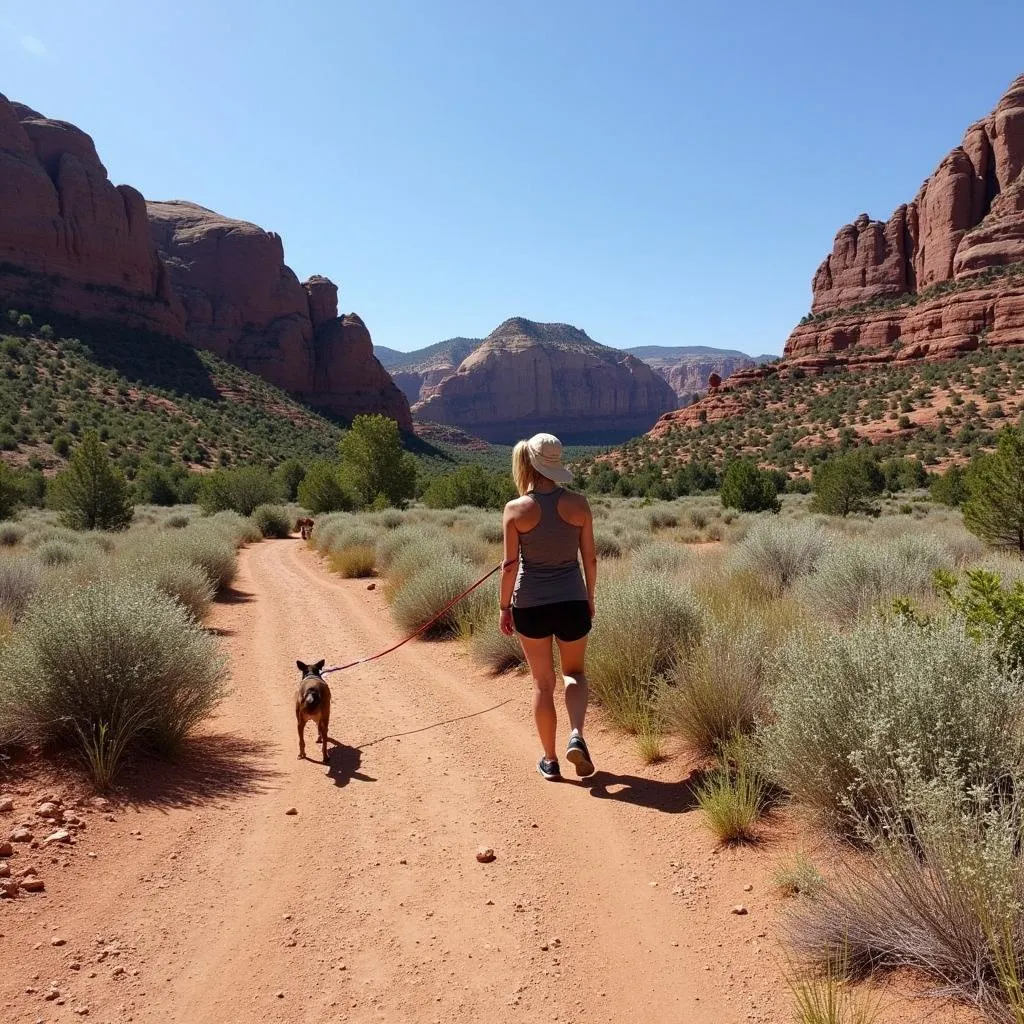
(20, 578)
(427, 589)
(779, 552)
(11, 534)
(57, 552)
(271, 521)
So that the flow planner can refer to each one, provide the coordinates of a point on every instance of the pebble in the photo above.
(292, 810)
(62, 835)
(48, 810)
(6, 803)
(485, 855)
(5, 848)
(8, 887)
(371, 586)
(117, 972)
(32, 884)
(739, 909)
(21, 835)
(748, 888)
(82, 1011)
(100, 803)
(280, 995)
(58, 941)
(52, 994)
(74, 966)
(5, 869)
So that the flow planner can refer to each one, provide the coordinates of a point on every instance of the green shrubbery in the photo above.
(469, 485)
(846, 484)
(749, 489)
(240, 490)
(91, 493)
(272, 521)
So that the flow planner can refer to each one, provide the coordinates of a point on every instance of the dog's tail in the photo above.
(311, 699)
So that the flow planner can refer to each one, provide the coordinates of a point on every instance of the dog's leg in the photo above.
(325, 720)
(302, 737)
(323, 737)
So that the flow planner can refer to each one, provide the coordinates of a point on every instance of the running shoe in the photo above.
(578, 755)
(549, 769)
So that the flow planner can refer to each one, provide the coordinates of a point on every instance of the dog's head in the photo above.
(311, 670)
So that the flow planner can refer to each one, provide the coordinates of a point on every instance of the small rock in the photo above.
(9, 887)
(21, 835)
(5, 869)
(100, 803)
(48, 810)
(58, 941)
(6, 803)
(52, 994)
(28, 869)
(32, 884)
(82, 1011)
(62, 835)
(280, 995)
(292, 810)
(117, 972)
(748, 888)
(371, 586)
(6, 849)
(554, 942)
(485, 855)
(74, 966)
(738, 909)
(489, 903)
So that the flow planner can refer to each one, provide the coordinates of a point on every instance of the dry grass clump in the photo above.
(20, 579)
(798, 876)
(825, 996)
(778, 552)
(183, 581)
(644, 623)
(490, 530)
(478, 626)
(57, 552)
(107, 667)
(735, 795)
(661, 556)
(392, 543)
(426, 588)
(853, 715)
(355, 561)
(606, 544)
(325, 528)
(208, 547)
(177, 521)
(11, 534)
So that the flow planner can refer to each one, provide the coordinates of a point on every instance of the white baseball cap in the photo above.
(545, 454)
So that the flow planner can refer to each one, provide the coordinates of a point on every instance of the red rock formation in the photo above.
(70, 241)
(243, 302)
(527, 377)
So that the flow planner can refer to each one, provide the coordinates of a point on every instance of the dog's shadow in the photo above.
(343, 764)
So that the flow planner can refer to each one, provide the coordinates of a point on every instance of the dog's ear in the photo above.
(303, 667)
(318, 667)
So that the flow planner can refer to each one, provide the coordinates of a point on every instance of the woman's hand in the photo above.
(505, 623)
(592, 606)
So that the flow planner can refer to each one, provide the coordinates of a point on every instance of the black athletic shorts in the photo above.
(567, 620)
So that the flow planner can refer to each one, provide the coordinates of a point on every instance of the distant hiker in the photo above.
(546, 530)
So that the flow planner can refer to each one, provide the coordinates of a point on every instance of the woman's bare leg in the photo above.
(540, 657)
(572, 654)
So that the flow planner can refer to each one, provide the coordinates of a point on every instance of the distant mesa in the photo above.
(73, 243)
(527, 376)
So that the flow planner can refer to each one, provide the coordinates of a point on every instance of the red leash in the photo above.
(428, 623)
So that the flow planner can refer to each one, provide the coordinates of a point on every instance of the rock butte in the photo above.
(528, 376)
(73, 243)
(944, 275)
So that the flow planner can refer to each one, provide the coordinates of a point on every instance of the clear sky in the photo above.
(654, 171)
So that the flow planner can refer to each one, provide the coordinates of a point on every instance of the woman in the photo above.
(546, 528)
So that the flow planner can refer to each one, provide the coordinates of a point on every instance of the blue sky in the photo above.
(655, 172)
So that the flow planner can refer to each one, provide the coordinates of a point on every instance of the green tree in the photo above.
(749, 488)
(374, 464)
(469, 485)
(288, 476)
(10, 491)
(92, 493)
(903, 474)
(994, 509)
(846, 484)
(950, 488)
(155, 485)
(241, 490)
(321, 489)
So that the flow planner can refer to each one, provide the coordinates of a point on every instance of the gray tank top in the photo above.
(549, 568)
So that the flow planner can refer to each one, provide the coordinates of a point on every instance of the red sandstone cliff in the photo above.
(527, 377)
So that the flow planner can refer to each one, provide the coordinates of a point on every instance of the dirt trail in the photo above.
(606, 901)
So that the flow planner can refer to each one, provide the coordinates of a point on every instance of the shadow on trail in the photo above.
(343, 764)
(209, 768)
(667, 797)
(228, 595)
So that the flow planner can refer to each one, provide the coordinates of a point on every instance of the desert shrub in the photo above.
(734, 796)
(858, 575)
(994, 508)
(661, 556)
(11, 534)
(20, 578)
(212, 550)
(778, 552)
(846, 483)
(427, 590)
(391, 518)
(271, 521)
(472, 549)
(177, 521)
(644, 623)
(355, 560)
(184, 581)
(235, 527)
(412, 557)
(797, 876)
(748, 488)
(853, 713)
(107, 667)
(352, 534)
(662, 517)
(942, 895)
(717, 691)
(240, 490)
(490, 531)
(322, 490)
(391, 544)
(607, 545)
(478, 625)
(91, 493)
(57, 552)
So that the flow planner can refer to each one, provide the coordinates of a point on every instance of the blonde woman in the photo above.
(544, 594)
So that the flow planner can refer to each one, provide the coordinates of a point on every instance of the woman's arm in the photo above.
(510, 563)
(589, 553)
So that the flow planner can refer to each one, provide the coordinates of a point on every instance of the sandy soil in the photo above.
(197, 899)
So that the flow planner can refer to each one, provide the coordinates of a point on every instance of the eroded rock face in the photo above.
(70, 240)
(966, 217)
(243, 302)
(527, 377)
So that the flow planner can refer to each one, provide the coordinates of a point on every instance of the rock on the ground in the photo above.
(62, 835)
(485, 855)
(739, 909)
(21, 835)
(32, 884)
(6, 804)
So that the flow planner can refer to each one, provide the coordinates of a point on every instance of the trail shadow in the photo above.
(209, 768)
(221, 631)
(228, 595)
(343, 764)
(667, 797)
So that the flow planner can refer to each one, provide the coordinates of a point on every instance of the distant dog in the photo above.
(313, 704)
(305, 528)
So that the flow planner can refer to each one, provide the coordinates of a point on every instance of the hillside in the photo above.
(422, 368)
(687, 368)
(164, 402)
(528, 376)
(918, 317)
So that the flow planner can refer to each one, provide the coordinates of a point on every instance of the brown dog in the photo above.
(305, 528)
(313, 704)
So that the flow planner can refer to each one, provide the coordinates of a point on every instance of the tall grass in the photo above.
(20, 578)
(108, 666)
(735, 795)
(778, 552)
(425, 590)
(11, 534)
